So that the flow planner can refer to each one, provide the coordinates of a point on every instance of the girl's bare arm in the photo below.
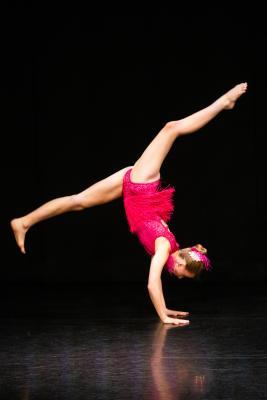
(154, 286)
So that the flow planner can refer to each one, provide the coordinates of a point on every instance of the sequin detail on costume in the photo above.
(146, 204)
(149, 231)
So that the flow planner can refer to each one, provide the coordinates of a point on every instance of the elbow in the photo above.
(151, 286)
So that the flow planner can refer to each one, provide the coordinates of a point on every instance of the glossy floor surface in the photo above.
(107, 343)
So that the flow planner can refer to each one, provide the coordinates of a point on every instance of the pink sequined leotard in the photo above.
(147, 207)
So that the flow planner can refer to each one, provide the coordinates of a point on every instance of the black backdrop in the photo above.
(84, 92)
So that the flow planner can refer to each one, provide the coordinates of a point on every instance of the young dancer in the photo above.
(148, 206)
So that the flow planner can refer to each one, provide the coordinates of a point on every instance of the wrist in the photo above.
(164, 319)
(163, 316)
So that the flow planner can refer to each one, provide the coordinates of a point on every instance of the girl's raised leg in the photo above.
(104, 191)
(147, 167)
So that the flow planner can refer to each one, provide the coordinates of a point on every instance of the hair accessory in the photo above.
(198, 256)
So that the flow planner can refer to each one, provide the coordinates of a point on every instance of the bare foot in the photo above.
(19, 228)
(233, 94)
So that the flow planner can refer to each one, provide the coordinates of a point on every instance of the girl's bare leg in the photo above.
(147, 167)
(101, 192)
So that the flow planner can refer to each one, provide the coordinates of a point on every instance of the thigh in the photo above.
(104, 191)
(147, 167)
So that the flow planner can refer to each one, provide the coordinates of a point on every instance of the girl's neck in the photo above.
(175, 254)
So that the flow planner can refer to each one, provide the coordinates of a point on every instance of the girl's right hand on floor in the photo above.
(175, 321)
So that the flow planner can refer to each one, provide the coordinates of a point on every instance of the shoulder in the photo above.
(162, 243)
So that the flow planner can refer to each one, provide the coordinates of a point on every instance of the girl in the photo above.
(148, 206)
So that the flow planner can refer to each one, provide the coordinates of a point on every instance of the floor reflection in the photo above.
(136, 357)
(177, 374)
(108, 358)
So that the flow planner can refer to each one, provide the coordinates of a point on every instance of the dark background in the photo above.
(83, 93)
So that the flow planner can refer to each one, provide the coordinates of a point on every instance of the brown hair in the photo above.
(196, 267)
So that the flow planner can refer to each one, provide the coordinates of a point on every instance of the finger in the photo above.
(178, 312)
(182, 313)
(179, 315)
(172, 313)
(182, 321)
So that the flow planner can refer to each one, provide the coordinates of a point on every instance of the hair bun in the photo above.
(201, 249)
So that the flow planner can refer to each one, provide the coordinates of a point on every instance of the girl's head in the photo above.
(191, 261)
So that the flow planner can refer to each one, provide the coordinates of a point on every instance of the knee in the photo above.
(172, 126)
(78, 202)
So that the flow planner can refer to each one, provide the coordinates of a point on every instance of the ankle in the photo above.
(25, 223)
(223, 103)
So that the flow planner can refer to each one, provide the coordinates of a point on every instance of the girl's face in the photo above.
(180, 268)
